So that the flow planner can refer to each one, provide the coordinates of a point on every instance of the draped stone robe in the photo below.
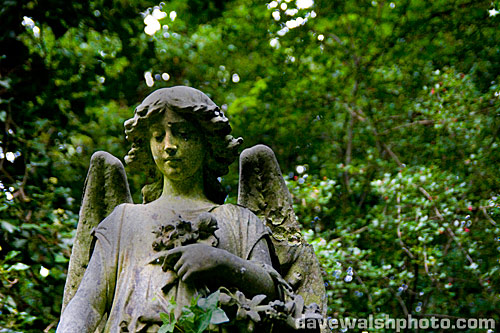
(121, 279)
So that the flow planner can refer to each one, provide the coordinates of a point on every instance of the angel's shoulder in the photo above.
(239, 224)
(237, 212)
(125, 209)
(121, 213)
(232, 208)
(123, 221)
(131, 213)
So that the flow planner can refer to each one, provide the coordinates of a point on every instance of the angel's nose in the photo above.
(171, 150)
(169, 145)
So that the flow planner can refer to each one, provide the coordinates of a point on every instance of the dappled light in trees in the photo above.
(383, 116)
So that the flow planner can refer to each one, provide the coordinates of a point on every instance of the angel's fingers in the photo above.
(175, 250)
(179, 264)
(186, 276)
(171, 257)
(158, 258)
(183, 270)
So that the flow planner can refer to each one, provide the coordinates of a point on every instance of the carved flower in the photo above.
(248, 308)
(184, 233)
(181, 232)
(206, 224)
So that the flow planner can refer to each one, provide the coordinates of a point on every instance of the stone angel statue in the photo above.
(129, 260)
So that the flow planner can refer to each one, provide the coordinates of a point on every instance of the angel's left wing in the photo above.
(263, 190)
(105, 188)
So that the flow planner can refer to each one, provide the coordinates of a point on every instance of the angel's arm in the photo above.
(200, 262)
(250, 276)
(84, 312)
(94, 295)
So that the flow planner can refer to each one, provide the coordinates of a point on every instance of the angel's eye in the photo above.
(184, 135)
(158, 136)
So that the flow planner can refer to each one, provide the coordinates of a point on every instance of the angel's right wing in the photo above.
(263, 190)
(105, 188)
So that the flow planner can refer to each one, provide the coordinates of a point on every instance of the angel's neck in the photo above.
(190, 189)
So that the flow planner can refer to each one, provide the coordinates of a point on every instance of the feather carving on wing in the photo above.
(263, 190)
(105, 188)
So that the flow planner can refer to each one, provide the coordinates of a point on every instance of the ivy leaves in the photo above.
(196, 318)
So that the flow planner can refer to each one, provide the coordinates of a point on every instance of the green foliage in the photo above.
(391, 108)
(37, 251)
(202, 315)
(426, 240)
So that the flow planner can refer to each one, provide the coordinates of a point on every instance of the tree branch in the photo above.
(418, 122)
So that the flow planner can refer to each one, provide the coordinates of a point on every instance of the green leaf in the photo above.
(171, 305)
(9, 227)
(28, 226)
(187, 315)
(204, 321)
(59, 258)
(210, 302)
(167, 328)
(11, 255)
(18, 267)
(164, 318)
(5, 83)
(218, 317)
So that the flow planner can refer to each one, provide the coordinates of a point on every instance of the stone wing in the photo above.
(105, 188)
(263, 190)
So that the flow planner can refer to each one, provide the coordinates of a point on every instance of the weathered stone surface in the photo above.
(263, 190)
(183, 242)
(105, 188)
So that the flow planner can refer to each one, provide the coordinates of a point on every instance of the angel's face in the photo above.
(177, 146)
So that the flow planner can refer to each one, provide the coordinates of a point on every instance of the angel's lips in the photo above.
(172, 159)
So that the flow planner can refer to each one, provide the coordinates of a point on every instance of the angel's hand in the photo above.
(166, 261)
(201, 263)
(196, 262)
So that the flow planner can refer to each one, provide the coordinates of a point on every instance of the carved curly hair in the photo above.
(197, 108)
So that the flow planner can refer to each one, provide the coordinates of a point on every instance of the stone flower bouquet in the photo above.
(182, 232)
